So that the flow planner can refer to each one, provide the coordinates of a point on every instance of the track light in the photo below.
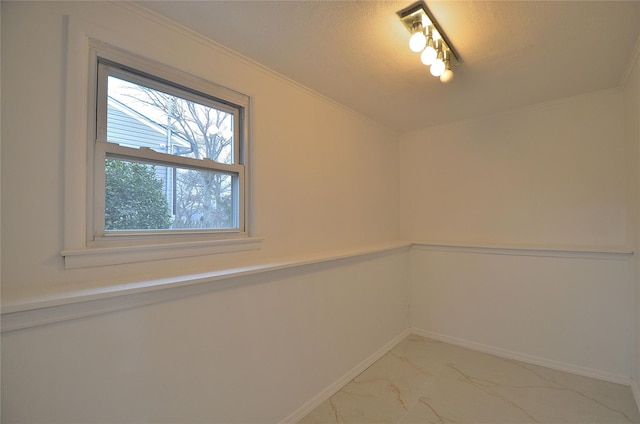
(428, 39)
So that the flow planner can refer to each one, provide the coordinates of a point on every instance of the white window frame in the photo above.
(97, 247)
(103, 149)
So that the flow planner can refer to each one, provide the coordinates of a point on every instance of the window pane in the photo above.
(140, 196)
(203, 199)
(135, 197)
(139, 116)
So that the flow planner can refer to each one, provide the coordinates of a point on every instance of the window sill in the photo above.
(101, 256)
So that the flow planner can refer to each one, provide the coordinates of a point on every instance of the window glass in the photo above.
(142, 196)
(141, 116)
(170, 154)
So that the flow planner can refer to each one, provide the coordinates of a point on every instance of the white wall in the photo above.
(302, 205)
(542, 184)
(565, 311)
(552, 175)
(249, 349)
(632, 135)
(253, 350)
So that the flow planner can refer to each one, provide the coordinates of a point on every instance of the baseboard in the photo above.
(530, 359)
(317, 400)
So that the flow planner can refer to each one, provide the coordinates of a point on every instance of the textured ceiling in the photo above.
(514, 53)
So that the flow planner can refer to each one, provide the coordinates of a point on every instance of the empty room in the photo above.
(320, 211)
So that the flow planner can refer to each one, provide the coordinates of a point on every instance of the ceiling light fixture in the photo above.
(428, 39)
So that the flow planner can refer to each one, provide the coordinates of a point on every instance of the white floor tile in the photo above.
(426, 381)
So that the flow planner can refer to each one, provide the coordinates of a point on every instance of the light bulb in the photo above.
(437, 67)
(418, 41)
(446, 76)
(428, 55)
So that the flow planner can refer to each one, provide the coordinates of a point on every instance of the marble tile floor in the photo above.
(426, 381)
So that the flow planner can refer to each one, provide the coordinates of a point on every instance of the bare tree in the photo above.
(202, 199)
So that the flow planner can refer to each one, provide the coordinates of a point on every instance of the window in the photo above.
(168, 158)
(156, 159)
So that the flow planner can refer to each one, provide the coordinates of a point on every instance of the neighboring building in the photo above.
(131, 128)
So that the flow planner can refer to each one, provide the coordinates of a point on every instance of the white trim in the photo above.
(33, 308)
(334, 387)
(76, 132)
(599, 252)
(148, 155)
(530, 359)
(102, 256)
